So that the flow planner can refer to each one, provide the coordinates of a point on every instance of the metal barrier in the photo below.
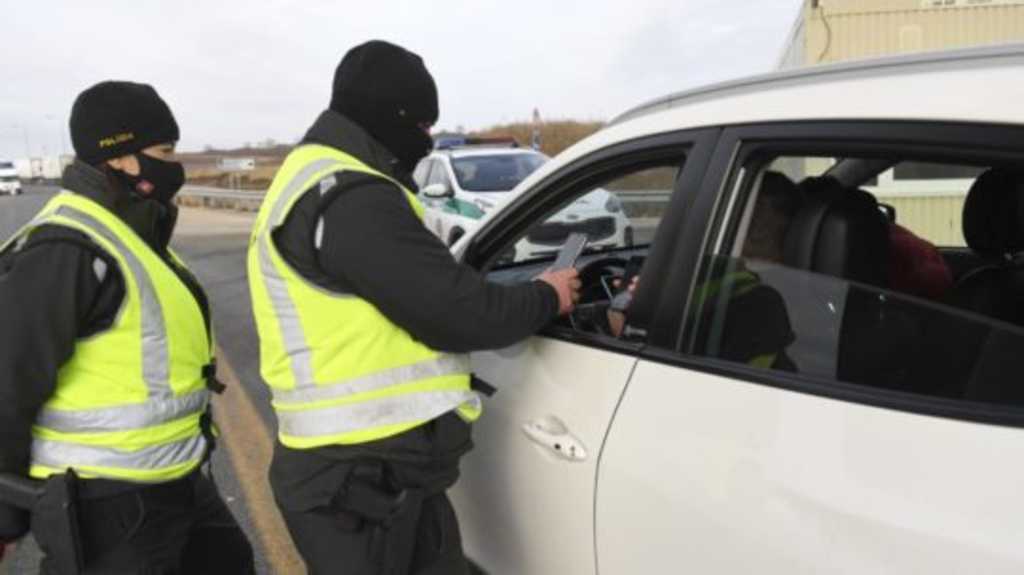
(206, 196)
(643, 196)
(221, 198)
(220, 193)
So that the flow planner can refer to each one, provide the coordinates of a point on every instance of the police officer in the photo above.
(106, 356)
(363, 317)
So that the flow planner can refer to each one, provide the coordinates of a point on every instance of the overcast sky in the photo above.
(244, 71)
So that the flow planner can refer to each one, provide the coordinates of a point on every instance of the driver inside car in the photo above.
(755, 323)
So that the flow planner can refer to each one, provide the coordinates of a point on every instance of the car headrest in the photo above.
(780, 190)
(838, 232)
(993, 218)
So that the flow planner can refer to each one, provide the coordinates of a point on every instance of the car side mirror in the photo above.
(438, 191)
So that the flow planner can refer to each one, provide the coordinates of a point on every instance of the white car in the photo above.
(802, 386)
(598, 214)
(463, 180)
(9, 182)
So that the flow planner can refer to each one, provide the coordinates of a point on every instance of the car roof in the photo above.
(874, 71)
(971, 85)
(484, 151)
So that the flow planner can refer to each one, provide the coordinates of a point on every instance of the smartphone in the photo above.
(624, 297)
(570, 251)
(633, 266)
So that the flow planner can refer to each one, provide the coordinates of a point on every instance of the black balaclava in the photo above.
(388, 91)
(114, 119)
(158, 179)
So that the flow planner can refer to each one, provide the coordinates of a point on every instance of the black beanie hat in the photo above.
(381, 83)
(388, 91)
(114, 119)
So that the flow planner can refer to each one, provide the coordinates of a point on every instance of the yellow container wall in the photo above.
(937, 219)
(841, 30)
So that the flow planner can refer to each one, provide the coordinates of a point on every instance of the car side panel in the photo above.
(708, 474)
(524, 509)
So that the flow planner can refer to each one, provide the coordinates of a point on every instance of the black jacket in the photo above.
(60, 287)
(373, 245)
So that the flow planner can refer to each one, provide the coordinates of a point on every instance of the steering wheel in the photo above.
(591, 275)
(590, 314)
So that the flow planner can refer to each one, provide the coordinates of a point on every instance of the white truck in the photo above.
(9, 182)
(44, 168)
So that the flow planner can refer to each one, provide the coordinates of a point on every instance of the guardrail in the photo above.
(211, 192)
(221, 198)
(643, 196)
(250, 200)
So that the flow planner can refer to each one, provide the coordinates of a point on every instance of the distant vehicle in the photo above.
(9, 182)
(465, 178)
(44, 168)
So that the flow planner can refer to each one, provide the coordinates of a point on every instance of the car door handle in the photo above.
(551, 433)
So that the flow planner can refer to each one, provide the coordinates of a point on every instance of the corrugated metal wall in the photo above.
(935, 218)
(840, 30)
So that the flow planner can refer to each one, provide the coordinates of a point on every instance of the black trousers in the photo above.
(324, 495)
(177, 527)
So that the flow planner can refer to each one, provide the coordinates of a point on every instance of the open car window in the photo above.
(619, 213)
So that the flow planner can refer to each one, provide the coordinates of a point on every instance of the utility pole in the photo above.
(535, 136)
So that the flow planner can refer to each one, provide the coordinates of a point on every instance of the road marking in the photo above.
(250, 447)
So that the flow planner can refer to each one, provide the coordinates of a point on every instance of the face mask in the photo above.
(409, 144)
(157, 180)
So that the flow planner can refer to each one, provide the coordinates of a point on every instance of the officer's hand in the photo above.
(567, 283)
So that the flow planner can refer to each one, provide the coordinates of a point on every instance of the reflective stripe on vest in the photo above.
(411, 383)
(735, 283)
(130, 425)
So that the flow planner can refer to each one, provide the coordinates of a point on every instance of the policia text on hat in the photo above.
(363, 318)
(106, 363)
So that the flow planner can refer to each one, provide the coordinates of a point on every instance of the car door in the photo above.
(884, 436)
(526, 495)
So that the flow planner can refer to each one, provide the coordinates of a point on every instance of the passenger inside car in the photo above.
(914, 266)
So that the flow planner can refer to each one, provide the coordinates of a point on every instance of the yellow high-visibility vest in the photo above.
(127, 404)
(339, 370)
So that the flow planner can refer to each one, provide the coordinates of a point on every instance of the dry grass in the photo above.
(258, 179)
(555, 136)
(202, 166)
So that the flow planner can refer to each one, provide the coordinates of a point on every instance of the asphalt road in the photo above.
(213, 243)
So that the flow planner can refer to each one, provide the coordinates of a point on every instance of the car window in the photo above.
(622, 212)
(843, 269)
(495, 173)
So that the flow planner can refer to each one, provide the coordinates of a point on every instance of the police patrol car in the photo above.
(465, 178)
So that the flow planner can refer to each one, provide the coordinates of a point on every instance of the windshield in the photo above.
(6, 166)
(499, 173)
